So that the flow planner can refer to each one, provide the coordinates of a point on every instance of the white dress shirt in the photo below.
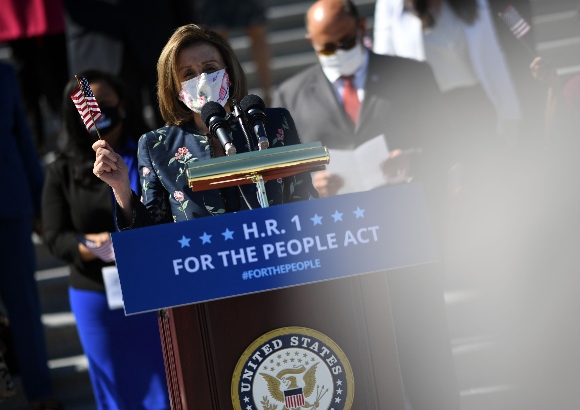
(399, 32)
(447, 51)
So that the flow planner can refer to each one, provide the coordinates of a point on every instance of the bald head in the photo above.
(327, 12)
(331, 22)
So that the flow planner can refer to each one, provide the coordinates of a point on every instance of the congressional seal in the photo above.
(293, 368)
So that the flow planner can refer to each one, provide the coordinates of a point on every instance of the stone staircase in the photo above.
(484, 385)
(557, 27)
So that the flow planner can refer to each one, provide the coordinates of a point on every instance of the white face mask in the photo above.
(342, 62)
(196, 91)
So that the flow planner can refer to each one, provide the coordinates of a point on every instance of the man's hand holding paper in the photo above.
(369, 166)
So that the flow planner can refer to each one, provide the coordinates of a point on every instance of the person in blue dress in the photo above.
(124, 352)
(196, 65)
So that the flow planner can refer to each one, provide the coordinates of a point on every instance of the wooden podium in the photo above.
(202, 343)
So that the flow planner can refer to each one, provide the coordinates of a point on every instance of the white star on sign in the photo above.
(228, 234)
(360, 213)
(184, 241)
(337, 216)
(316, 219)
(205, 238)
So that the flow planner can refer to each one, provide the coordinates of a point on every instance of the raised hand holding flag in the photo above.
(86, 104)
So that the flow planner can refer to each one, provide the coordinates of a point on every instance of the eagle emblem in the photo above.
(293, 368)
(284, 387)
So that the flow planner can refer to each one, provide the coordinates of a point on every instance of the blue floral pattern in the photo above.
(165, 154)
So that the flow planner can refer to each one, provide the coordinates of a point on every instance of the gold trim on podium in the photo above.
(247, 167)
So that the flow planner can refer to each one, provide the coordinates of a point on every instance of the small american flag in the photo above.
(516, 23)
(105, 252)
(86, 103)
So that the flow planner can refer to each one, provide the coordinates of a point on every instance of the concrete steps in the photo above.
(557, 30)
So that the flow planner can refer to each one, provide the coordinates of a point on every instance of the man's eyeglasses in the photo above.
(330, 49)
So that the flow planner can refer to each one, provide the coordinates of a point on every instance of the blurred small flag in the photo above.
(86, 103)
(516, 23)
(105, 252)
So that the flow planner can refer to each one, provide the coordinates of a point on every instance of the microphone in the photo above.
(213, 116)
(254, 108)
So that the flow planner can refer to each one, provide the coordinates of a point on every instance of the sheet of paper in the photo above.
(113, 287)
(360, 168)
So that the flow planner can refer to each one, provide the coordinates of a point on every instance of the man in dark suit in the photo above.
(397, 98)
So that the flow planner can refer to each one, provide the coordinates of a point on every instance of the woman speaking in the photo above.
(195, 66)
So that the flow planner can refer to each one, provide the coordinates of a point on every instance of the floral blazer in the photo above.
(165, 154)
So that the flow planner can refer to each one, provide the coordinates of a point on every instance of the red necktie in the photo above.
(350, 99)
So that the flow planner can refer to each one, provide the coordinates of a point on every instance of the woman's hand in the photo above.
(110, 168)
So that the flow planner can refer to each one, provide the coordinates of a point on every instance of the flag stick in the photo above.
(532, 52)
(88, 107)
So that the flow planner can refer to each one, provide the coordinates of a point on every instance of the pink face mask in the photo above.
(196, 91)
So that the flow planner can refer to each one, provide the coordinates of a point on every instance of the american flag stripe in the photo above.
(293, 402)
(105, 252)
(520, 29)
(86, 104)
(516, 23)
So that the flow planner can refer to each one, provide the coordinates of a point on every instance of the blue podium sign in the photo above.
(285, 245)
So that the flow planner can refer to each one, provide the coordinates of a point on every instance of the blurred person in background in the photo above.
(124, 353)
(249, 16)
(352, 95)
(458, 40)
(19, 215)
(517, 53)
(124, 38)
(34, 32)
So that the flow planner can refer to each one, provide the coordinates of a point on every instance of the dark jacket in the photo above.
(70, 209)
(402, 101)
(19, 163)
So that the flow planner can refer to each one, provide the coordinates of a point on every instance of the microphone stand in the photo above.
(240, 117)
(257, 179)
